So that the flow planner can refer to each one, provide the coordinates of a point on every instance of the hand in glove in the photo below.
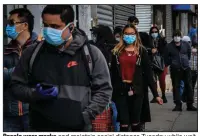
(53, 91)
(43, 93)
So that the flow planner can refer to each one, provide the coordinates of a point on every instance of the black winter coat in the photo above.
(142, 78)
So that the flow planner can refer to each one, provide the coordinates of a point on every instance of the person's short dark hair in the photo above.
(133, 19)
(177, 33)
(118, 30)
(25, 16)
(66, 12)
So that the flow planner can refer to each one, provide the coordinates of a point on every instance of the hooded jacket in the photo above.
(77, 102)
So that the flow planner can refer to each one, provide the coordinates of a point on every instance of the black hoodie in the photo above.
(77, 102)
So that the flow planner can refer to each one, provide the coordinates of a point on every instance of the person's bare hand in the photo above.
(159, 100)
(154, 50)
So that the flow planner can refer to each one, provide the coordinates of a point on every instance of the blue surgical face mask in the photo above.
(129, 39)
(54, 36)
(11, 32)
(154, 35)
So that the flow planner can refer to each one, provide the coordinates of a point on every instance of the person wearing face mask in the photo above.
(158, 48)
(144, 37)
(53, 78)
(177, 56)
(193, 64)
(146, 42)
(130, 75)
(118, 33)
(19, 29)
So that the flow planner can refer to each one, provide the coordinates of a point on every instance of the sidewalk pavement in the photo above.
(163, 119)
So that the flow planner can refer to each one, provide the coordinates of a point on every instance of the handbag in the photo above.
(158, 62)
(103, 121)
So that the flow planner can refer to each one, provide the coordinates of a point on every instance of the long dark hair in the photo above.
(151, 29)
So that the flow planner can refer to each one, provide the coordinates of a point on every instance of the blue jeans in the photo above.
(114, 118)
(181, 87)
(16, 123)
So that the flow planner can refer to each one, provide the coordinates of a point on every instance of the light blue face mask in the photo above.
(129, 39)
(54, 36)
(11, 32)
(154, 35)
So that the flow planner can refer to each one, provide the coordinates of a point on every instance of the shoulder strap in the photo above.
(88, 59)
(38, 47)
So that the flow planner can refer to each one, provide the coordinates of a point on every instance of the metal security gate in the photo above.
(121, 14)
(168, 23)
(105, 15)
(144, 14)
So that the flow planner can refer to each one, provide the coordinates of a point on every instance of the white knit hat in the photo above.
(186, 39)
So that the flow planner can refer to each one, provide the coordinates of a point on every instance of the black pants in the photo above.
(177, 75)
(129, 107)
(194, 80)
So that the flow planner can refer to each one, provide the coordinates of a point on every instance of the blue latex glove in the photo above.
(47, 92)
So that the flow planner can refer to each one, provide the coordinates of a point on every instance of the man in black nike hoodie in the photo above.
(62, 96)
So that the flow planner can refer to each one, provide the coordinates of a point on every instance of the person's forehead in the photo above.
(51, 19)
(129, 30)
(14, 17)
(154, 29)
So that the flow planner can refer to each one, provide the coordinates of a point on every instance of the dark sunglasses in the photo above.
(154, 32)
(12, 23)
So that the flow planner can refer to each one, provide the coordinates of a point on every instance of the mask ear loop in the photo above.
(18, 25)
(65, 28)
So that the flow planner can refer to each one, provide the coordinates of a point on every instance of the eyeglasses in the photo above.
(12, 23)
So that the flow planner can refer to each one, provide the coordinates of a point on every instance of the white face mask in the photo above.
(177, 38)
(117, 39)
(194, 50)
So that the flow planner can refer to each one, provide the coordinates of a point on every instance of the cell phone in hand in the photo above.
(46, 86)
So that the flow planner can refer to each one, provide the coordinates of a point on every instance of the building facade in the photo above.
(88, 16)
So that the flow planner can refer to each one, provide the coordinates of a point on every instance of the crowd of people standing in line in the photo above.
(61, 83)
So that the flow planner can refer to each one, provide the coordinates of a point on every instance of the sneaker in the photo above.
(178, 108)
